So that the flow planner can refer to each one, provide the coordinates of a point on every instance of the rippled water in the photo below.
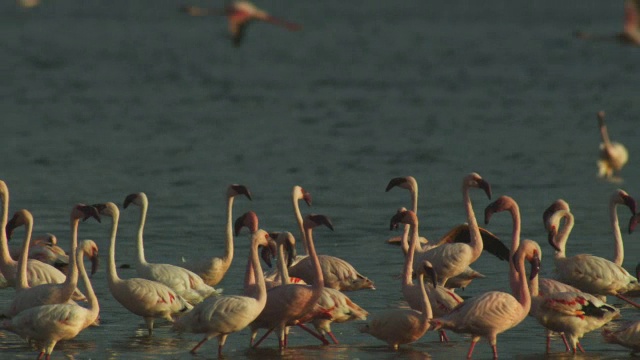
(103, 99)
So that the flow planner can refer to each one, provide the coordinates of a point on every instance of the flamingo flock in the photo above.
(315, 289)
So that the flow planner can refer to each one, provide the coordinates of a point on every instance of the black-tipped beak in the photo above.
(241, 189)
(291, 253)
(321, 220)
(486, 187)
(535, 267)
(430, 271)
(632, 222)
(306, 197)
(89, 212)
(129, 199)
(552, 236)
(265, 254)
(95, 263)
(630, 202)
(395, 182)
(11, 226)
(238, 224)
(488, 211)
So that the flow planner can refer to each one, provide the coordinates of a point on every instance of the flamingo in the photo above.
(451, 259)
(337, 273)
(213, 269)
(613, 155)
(186, 283)
(239, 15)
(591, 274)
(49, 324)
(45, 294)
(37, 271)
(441, 299)
(493, 312)
(627, 335)
(285, 242)
(571, 313)
(44, 248)
(403, 326)
(222, 315)
(287, 304)
(146, 298)
(630, 34)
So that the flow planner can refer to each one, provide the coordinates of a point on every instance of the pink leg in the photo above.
(41, 355)
(262, 338)
(628, 300)
(195, 348)
(548, 343)
(219, 350)
(566, 343)
(319, 337)
(580, 348)
(473, 344)
(335, 341)
(495, 351)
(443, 336)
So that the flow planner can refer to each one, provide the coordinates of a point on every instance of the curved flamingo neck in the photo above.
(257, 280)
(318, 282)
(563, 234)
(474, 232)
(514, 209)
(520, 290)
(71, 281)
(228, 247)
(404, 240)
(143, 218)
(425, 305)
(112, 273)
(92, 300)
(408, 261)
(413, 190)
(604, 133)
(618, 254)
(6, 262)
(298, 215)
(21, 276)
(282, 267)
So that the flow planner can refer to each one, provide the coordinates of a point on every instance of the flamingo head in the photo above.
(621, 197)
(107, 209)
(314, 220)
(633, 222)
(301, 194)
(475, 180)
(236, 189)
(135, 199)
(261, 238)
(553, 231)
(427, 269)
(552, 209)
(501, 204)
(268, 252)
(403, 216)
(405, 182)
(248, 219)
(90, 249)
(535, 265)
(84, 212)
(289, 242)
(19, 218)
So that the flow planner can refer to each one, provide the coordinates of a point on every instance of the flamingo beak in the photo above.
(90, 212)
(535, 266)
(291, 254)
(429, 270)
(265, 254)
(395, 182)
(306, 197)
(631, 203)
(632, 222)
(484, 185)
(95, 262)
(488, 211)
(552, 236)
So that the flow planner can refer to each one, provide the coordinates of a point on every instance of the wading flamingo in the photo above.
(627, 335)
(213, 269)
(46, 294)
(186, 283)
(48, 324)
(240, 14)
(222, 315)
(44, 248)
(146, 298)
(613, 155)
(630, 34)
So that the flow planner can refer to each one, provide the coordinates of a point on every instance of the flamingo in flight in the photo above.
(213, 269)
(630, 34)
(613, 155)
(239, 15)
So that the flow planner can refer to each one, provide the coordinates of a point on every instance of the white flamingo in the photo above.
(48, 324)
(186, 283)
(46, 294)
(221, 315)
(491, 313)
(285, 242)
(146, 298)
(571, 313)
(213, 269)
(591, 274)
(613, 155)
(626, 334)
(337, 273)
(44, 248)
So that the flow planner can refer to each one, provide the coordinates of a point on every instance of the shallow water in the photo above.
(102, 101)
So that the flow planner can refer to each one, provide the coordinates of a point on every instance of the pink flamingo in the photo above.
(613, 155)
(630, 34)
(626, 334)
(44, 248)
(239, 15)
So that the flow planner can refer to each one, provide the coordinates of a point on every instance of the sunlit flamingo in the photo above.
(44, 248)
(591, 274)
(493, 312)
(337, 273)
(285, 243)
(46, 325)
(239, 15)
(626, 334)
(630, 34)
(213, 269)
(570, 313)
(222, 315)
(146, 298)
(46, 294)
(613, 155)
(184, 282)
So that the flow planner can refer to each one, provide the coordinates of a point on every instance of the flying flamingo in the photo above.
(493, 312)
(221, 315)
(591, 274)
(287, 304)
(239, 15)
(46, 325)
(630, 34)
(403, 326)
(46, 294)
(143, 297)
(571, 313)
(337, 273)
(37, 271)
(184, 282)
(613, 155)
(627, 335)
(213, 269)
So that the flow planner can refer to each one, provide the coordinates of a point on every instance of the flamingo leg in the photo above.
(443, 336)
(474, 341)
(314, 334)
(548, 342)
(262, 338)
(494, 347)
(41, 355)
(198, 345)
(580, 348)
(566, 343)
(335, 341)
(624, 298)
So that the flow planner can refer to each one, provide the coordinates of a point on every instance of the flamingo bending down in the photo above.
(337, 273)
(143, 297)
(48, 324)
(285, 242)
(44, 248)
(613, 155)
(184, 282)
(627, 335)
(239, 15)
(630, 34)
(47, 294)
(213, 269)
(491, 313)
(221, 315)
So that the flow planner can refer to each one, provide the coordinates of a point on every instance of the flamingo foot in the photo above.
(198, 345)
(443, 336)
(314, 334)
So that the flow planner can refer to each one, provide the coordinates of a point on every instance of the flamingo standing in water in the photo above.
(222, 315)
(630, 34)
(45, 294)
(613, 155)
(185, 282)
(213, 269)
(49, 324)
(44, 248)
(143, 297)
(240, 14)
(627, 335)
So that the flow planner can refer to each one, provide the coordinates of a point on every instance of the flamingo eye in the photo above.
(266, 236)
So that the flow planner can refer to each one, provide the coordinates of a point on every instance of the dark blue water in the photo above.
(101, 99)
